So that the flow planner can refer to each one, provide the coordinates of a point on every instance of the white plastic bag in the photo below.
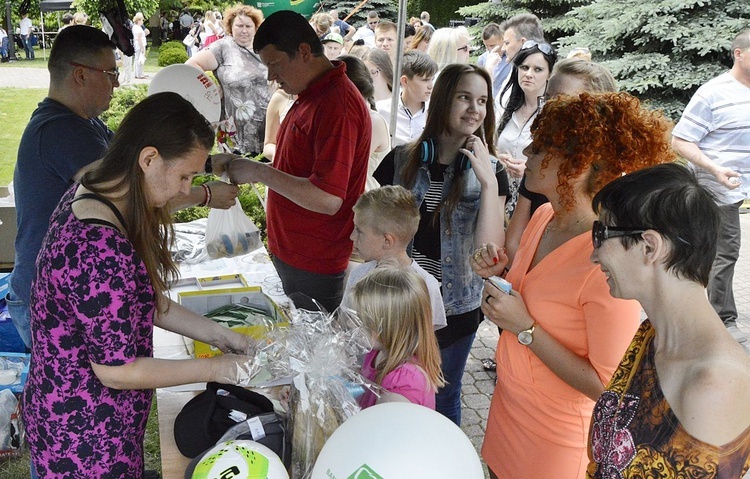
(230, 232)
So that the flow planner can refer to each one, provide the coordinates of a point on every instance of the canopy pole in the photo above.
(397, 67)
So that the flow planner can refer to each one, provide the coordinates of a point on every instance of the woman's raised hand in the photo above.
(489, 260)
(515, 166)
(479, 156)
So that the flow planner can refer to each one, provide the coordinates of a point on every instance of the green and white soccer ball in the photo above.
(240, 459)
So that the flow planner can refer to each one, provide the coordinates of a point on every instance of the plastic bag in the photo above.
(11, 427)
(230, 233)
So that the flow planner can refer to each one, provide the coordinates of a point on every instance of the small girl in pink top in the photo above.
(394, 304)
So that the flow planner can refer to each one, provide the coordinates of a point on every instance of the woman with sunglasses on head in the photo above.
(521, 100)
(678, 400)
(563, 334)
(460, 187)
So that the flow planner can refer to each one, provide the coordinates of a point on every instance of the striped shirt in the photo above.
(717, 119)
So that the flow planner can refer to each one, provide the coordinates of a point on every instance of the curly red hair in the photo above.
(608, 134)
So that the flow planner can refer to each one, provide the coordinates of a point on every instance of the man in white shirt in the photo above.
(27, 29)
(418, 72)
(714, 136)
(366, 33)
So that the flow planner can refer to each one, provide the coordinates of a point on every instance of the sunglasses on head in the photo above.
(599, 233)
(543, 47)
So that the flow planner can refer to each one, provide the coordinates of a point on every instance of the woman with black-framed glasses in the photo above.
(520, 102)
(677, 402)
(563, 334)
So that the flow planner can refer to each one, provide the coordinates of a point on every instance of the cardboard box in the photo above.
(7, 231)
(206, 300)
(18, 358)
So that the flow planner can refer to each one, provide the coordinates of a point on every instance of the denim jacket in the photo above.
(461, 286)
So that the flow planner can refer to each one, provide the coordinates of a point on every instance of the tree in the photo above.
(92, 7)
(441, 13)
(660, 50)
(553, 14)
(387, 9)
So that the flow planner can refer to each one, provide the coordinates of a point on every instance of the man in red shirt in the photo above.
(320, 165)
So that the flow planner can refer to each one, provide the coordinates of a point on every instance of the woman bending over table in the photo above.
(100, 288)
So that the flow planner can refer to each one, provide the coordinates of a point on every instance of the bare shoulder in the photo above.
(707, 404)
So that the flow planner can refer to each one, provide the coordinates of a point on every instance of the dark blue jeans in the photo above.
(26, 40)
(448, 398)
(20, 315)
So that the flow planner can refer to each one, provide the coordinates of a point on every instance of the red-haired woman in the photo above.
(563, 333)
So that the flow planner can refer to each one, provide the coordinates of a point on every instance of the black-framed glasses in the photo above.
(112, 74)
(464, 48)
(374, 23)
(543, 47)
(599, 233)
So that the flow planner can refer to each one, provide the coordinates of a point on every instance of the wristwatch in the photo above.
(526, 336)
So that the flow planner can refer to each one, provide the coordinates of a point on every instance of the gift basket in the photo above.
(320, 352)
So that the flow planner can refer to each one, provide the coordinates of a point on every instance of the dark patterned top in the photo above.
(635, 434)
(92, 301)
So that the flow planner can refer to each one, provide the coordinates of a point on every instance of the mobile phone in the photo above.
(500, 284)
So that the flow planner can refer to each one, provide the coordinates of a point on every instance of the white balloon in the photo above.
(398, 440)
(193, 85)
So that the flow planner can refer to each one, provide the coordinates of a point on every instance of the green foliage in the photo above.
(441, 13)
(553, 14)
(660, 50)
(123, 99)
(171, 45)
(387, 9)
(92, 7)
(172, 52)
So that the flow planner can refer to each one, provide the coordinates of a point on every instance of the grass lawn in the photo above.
(16, 106)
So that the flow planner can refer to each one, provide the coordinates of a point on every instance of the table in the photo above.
(168, 405)
(257, 269)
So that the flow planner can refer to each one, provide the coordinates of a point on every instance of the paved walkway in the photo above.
(478, 384)
(25, 77)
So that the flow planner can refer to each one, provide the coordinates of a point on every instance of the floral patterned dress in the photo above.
(92, 301)
(635, 434)
(243, 78)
